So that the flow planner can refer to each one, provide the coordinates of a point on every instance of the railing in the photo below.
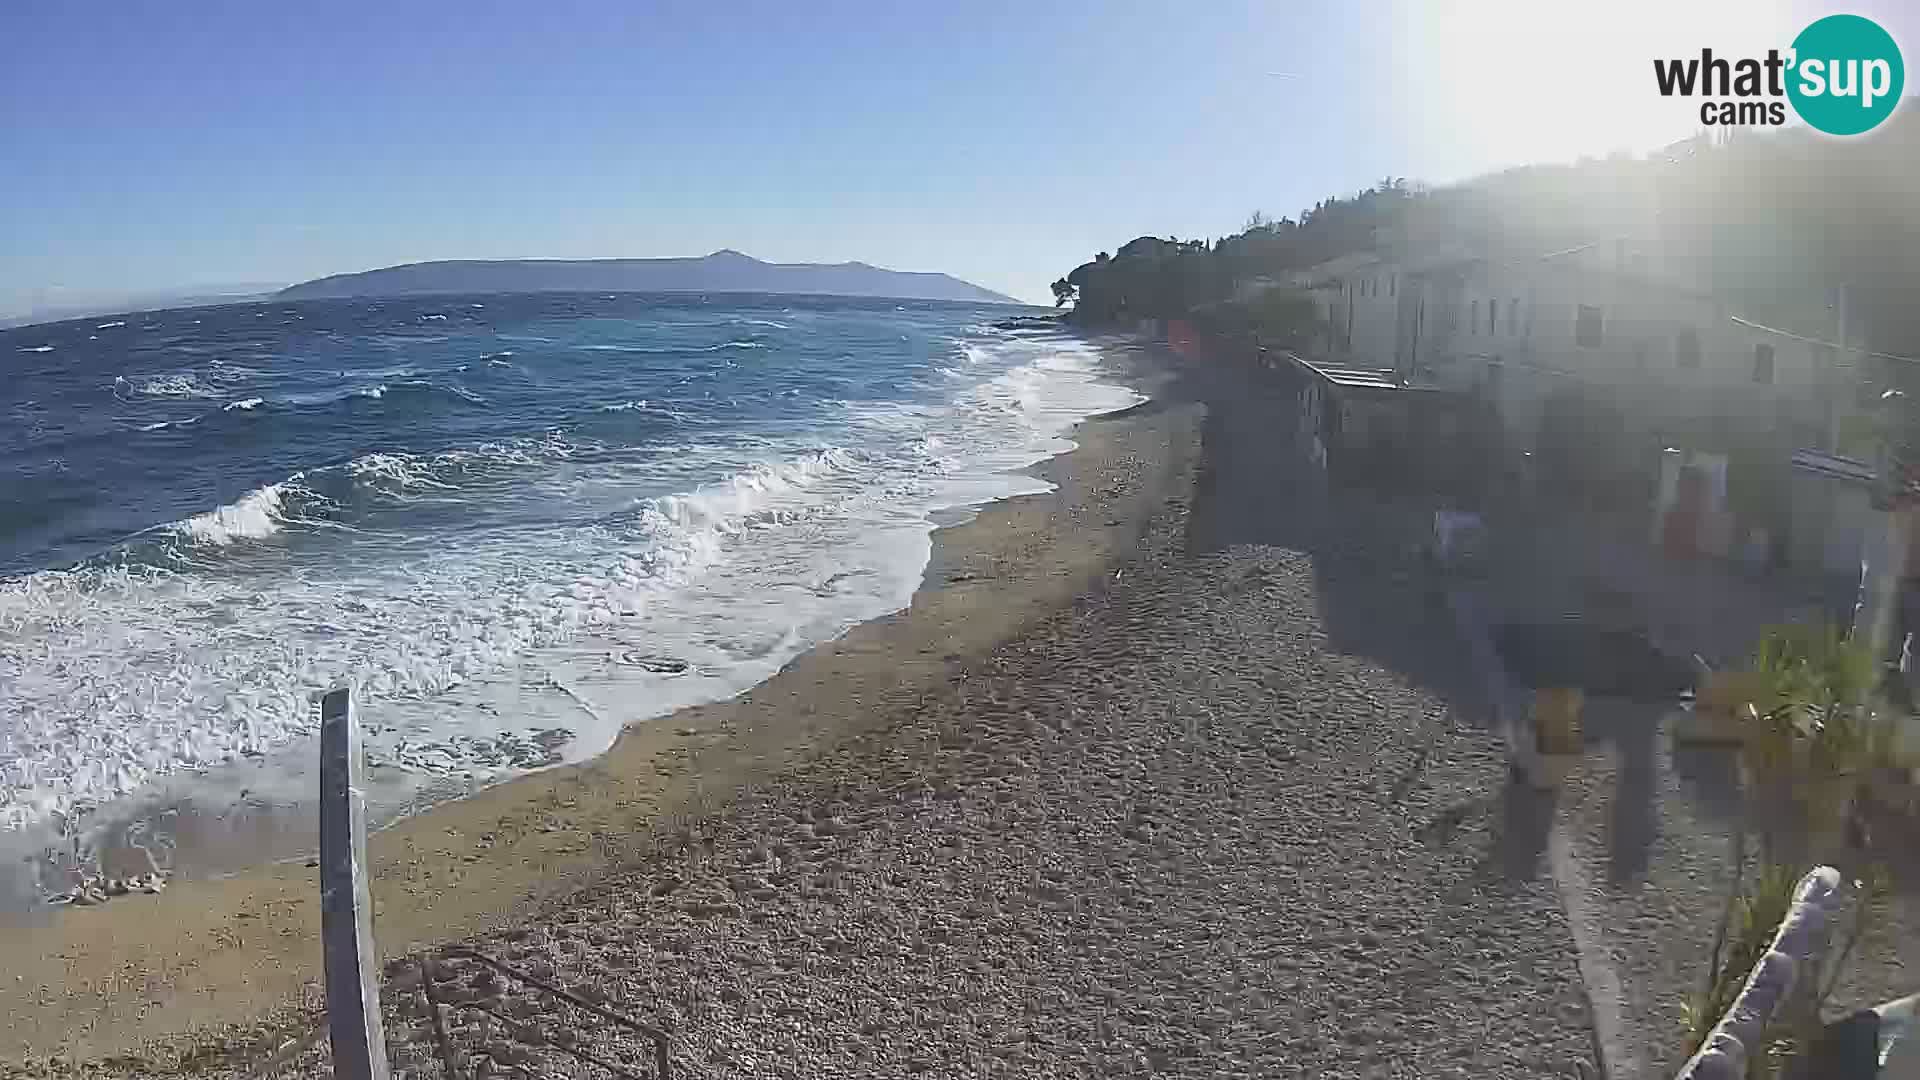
(1855, 1047)
(1796, 946)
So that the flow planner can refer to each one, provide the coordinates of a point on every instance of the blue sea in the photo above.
(514, 524)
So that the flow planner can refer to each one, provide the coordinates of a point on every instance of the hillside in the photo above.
(1770, 222)
(722, 271)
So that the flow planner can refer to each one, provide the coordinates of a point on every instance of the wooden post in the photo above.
(346, 909)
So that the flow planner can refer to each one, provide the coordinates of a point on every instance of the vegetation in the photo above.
(1812, 733)
(1770, 221)
(1746, 931)
(1154, 278)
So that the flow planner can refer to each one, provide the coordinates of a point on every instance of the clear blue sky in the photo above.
(161, 145)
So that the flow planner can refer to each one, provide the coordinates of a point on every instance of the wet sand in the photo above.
(1167, 773)
(209, 957)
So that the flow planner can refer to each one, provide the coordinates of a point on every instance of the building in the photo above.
(1589, 325)
(1599, 367)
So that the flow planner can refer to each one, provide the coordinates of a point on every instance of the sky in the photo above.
(150, 146)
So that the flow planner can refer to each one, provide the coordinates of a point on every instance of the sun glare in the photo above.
(1496, 84)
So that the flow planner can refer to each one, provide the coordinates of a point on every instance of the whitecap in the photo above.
(109, 325)
(164, 424)
(254, 516)
(245, 404)
(183, 385)
(399, 470)
(328, 397)
(36, 348)
(671, 350)
(135, 672)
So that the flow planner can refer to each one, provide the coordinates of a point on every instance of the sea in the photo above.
(511, 524)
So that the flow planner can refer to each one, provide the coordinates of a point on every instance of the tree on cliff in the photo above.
(1772, 223)
(1063, 292)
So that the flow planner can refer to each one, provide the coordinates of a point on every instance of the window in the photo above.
(1763, 364)
(1686, 348)
(1393, 284)
(1493, 317)
(1513, 317)
(1586, 327)
(1473, 322)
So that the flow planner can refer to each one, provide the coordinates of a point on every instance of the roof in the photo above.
(1359, 378)
(1834, 465)
(1338, 266)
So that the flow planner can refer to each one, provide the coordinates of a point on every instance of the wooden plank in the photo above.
(346, 908)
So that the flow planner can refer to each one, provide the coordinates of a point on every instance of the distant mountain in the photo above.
(722, 271)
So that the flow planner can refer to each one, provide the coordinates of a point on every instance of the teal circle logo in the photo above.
(1847, 75)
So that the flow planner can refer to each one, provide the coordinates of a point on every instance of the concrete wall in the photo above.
(1368, 336)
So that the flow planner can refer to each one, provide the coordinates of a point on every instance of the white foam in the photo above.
(118, 676)
(328, 397)
(36, 348)
(244, 404)
(182, 385)
(164, 424)
(109, 325)
(254, 516)
(400, 471)
(670, 350)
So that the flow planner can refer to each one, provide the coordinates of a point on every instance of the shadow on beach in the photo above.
(1377, 598)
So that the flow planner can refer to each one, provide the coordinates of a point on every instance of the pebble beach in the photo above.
(1126, 792)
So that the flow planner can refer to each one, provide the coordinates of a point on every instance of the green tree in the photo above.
(1064, 292)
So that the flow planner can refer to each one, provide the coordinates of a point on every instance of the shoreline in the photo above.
(242, 949)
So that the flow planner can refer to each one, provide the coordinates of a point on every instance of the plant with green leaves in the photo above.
(1813, 729)
(1748, 923)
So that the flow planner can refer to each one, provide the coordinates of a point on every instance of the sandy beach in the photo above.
(1154, 777)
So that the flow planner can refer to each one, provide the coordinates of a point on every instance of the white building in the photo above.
(1657, 356)
(1595, 365)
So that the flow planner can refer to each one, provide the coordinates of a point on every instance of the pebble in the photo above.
(1189, 877)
